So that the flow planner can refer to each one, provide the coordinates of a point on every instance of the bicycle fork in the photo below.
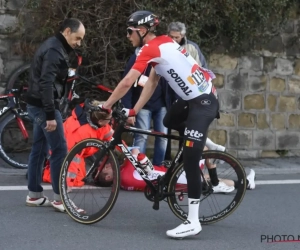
(22, 128)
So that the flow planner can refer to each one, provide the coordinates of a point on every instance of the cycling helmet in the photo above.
(94, 113)
(143, 17)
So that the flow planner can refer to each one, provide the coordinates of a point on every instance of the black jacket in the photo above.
(49, 70)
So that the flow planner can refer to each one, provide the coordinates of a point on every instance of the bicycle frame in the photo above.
(157, 187)
(13, 106)
(71, 94)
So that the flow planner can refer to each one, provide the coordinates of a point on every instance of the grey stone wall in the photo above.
(261, 94)
(9, 28)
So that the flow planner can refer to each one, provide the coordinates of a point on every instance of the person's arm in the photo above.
(201, 57)
(50, 68)
(122, 88)
(127, 98)
(144, 56)
(148, 90)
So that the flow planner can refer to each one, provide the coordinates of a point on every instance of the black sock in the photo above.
(213, 176)
(236, 184)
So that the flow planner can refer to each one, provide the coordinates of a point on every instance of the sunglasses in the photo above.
(130, 30)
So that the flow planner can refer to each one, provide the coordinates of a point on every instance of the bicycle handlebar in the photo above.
(95, 84)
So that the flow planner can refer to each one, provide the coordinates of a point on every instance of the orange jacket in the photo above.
(76, 129)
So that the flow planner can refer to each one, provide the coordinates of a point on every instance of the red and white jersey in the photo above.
(174, 63)
(131, 179)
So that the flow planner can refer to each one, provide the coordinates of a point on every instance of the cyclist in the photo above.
(190, 82)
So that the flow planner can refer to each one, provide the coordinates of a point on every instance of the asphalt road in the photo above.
(268, 211)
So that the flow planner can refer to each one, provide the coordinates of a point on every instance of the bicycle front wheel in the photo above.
(15, 140)
(213, 206)
(89, 202)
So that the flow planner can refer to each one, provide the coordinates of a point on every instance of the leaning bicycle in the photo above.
(91, 201)
(16, 127)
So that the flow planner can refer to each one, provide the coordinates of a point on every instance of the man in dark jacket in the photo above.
(48, 72)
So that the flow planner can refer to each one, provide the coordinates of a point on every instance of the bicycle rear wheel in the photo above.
(213, 206)
(89, 203)
(15, 147)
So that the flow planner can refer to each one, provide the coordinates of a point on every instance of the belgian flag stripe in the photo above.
(189, 144)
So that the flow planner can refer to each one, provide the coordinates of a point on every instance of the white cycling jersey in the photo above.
(174, 63)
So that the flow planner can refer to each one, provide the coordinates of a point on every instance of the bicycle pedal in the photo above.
(155, 206)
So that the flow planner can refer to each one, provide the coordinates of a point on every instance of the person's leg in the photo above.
(143, 119)
(176, 115)
(57, 142)
(168, 154)
(213, 146)
(199, 118)
(219, 185)
(160, 143)
(36, 159)
(175, 118)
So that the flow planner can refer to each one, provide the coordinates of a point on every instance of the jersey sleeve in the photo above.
(144, 57)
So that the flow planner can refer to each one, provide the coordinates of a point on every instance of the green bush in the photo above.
(219, 25)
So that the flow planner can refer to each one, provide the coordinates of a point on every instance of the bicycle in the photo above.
(15, 125)
(170, 187)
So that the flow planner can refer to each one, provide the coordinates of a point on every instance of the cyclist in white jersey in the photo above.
(197, 108)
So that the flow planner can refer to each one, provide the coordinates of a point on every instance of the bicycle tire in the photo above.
(238, 168)
(7, 120)
(14, 76)
(83, 218)
(18, 78)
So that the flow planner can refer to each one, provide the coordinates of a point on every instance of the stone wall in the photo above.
(260, 93)
(9, 27)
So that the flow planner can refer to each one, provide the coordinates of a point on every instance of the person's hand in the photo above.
(50, 125)
(131, 120)
(128, 112)
(108, 111)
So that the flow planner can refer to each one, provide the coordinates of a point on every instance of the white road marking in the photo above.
(19, 188)
(48, 187)
(270, 182)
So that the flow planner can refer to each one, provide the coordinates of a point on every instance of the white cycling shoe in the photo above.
(222, 188)
(187, 228)
(251, 179)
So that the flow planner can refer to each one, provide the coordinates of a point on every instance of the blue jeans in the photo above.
(143, 121)
(40, 147)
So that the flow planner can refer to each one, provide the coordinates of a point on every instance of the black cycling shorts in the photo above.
(195, 117)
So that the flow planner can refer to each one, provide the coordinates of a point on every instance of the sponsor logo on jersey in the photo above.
(183, 51)
(194, 134)
(205, 102)
(198, 78)
(179, 82)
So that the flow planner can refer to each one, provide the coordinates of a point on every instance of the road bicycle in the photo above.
(15, 125)
(93, 201)
(15, 130)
